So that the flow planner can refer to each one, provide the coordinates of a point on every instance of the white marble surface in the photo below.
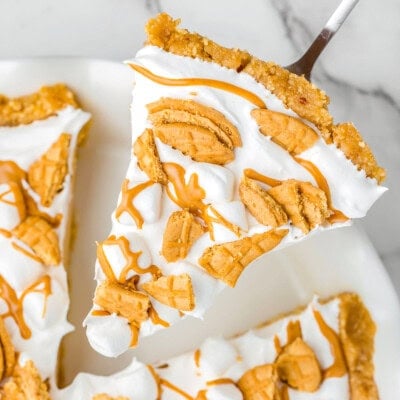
(358, 70)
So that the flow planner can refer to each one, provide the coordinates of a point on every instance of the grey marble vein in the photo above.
(153, 6)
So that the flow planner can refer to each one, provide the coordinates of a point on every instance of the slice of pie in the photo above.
(232, 157)
(39, 137)
(323, 351)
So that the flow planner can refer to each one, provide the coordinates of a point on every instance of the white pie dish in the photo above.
(326, 264)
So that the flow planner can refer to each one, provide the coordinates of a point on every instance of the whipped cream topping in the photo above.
(216, 366)
(42, 291)
(351, 191)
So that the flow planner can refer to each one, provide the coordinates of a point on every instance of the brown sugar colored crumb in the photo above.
(25, 384)
(40, 105)
(296, 92)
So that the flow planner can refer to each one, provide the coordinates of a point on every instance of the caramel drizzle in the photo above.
(196, 357)
(337, 215)
(134, 329)
(156, 380)
(12, 174)
(221, 381)
(191, 196)
(33, 209)
(134, 335)
(284, 391)
(15, 303)
(228, 87)
(253, 174)
(5, 233)
(26, 252)
(338, 368)
(127, 198)
(219, 219)
(131, 258)
(156, 319)
(277, 344)
(169, 385)
(132, 264)
(293, 331)
(18, 203)
(100, 313)
(202, 394)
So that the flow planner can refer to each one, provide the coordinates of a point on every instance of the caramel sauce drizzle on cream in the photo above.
(33, 209)
(100, 313)
(15, 303)
(169, 385)
(127, 198)
(134, 335)
(130, 256)
(26, 252)
(155, 318)
(191, 196)
(338, 368)
(12, 174)
(277, 344)
(132, 264)
(253, 174)
(18, 203)
(293, 331)
(134, 329)
(160, 382)
(196, 357)
(156, 380)
(202, 394)
(337, 215)
(221, 381)
(284, 392)
(5, 233)
(216, 84)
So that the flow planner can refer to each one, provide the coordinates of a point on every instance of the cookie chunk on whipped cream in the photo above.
(322, 351)
(39, 137)
(232, 157)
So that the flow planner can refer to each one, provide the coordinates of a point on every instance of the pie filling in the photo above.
(232, 158)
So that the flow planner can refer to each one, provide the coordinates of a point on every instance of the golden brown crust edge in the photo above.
(36, 106)
(25, 384)
(357, 332)
(294, 91)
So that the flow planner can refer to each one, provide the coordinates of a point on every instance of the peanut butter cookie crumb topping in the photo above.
(46, 175)
(40, 105)
(26, 384)
(175, 291)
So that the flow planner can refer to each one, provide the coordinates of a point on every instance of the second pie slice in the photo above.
(232, 157)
